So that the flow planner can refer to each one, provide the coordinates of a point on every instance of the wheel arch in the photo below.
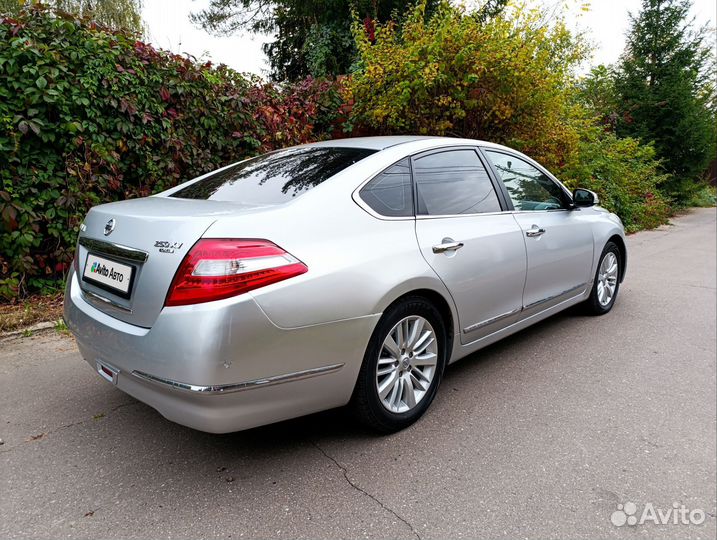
(442, 304)
(620, 242)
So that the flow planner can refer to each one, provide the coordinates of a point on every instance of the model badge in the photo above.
(167, 247)
(110, 226)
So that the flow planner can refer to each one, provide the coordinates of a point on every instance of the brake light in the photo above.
(220, 268)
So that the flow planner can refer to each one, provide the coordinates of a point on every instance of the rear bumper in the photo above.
(223, 366)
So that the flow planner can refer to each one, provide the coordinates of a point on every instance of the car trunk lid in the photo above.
(129, 251)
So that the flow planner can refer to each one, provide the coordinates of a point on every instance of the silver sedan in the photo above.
(343, 272)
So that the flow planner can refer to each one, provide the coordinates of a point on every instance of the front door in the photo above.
(558, 239)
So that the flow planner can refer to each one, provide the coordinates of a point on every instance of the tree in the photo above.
(312, 37)
(113, 13)
(596, 93)
(665, 88)
(507, 80)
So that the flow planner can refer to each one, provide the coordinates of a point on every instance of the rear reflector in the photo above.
(220, 268)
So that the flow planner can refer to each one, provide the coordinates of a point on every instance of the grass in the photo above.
(33, 310)
(61, 327)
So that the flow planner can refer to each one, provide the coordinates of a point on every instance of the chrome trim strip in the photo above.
(501, 213)
(362, 204)
(238, 387)
(117, 250)
(476, 326)
(553, 297)
(366, 208)
(446, 216)
(538, 315)
(533, 212)
(88, 296)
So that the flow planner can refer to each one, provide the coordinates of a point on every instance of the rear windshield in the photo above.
(274, 178)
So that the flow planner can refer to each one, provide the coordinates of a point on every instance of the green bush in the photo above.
(90, 115)
(704, 196)
(625, 175)
(506, 80)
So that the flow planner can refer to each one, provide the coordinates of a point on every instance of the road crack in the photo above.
(94, 418)
(44, 434)
(358, 488)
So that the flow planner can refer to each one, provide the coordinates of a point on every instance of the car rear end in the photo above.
(163, 302)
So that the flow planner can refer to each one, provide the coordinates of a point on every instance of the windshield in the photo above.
(274, 178)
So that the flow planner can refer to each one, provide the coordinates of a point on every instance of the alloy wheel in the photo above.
(407, 364)
(607, 279)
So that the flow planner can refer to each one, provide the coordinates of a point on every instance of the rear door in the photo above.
(475, 248)
(558, 239)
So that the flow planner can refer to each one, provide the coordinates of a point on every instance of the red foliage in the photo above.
(369, 27)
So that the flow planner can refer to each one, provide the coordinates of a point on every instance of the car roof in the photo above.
(387, 141)
(394, 146)
(372, 143)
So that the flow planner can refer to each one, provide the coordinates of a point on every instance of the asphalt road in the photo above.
(542, 435)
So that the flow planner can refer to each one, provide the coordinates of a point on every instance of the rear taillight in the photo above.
(219, 268)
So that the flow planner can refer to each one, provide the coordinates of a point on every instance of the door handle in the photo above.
(447, 244)
(534, 231)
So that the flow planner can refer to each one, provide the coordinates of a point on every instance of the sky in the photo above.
(168, 27)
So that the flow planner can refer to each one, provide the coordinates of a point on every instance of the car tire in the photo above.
(407, 392)
(606, 284)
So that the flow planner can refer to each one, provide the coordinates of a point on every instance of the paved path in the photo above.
(542, 435)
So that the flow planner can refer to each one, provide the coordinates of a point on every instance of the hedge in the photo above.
(91, 115)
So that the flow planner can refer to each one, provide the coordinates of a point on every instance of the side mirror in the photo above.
(585, 197)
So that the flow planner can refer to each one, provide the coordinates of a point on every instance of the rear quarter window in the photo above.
(390, 193)
(274, 178)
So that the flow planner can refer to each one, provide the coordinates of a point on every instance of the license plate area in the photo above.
(109, 274)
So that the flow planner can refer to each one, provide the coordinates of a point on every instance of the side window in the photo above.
(528, 188)
(389, 194)
(453, 182)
